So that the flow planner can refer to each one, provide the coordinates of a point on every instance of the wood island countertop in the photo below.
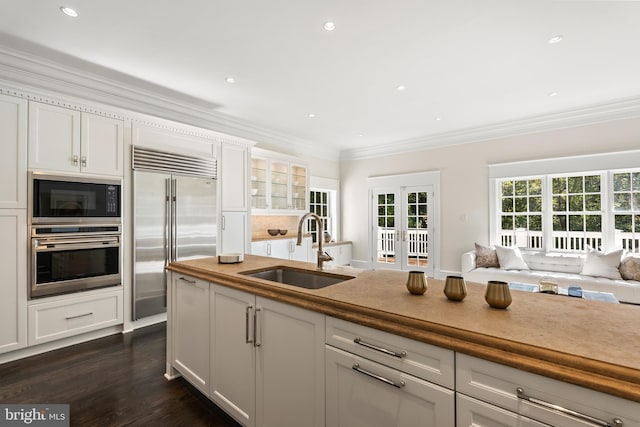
(588, 343)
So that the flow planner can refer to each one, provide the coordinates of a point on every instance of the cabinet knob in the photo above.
(74, 159)
(84, 161)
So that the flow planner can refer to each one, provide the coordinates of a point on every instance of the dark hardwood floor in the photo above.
(112, 381)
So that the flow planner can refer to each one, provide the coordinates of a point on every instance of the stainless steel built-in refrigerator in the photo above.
(175, 219)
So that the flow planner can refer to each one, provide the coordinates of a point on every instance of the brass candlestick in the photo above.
(455, 288)
(417, 282)
(498, 294)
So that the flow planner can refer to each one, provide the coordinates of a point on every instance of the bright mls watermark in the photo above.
(41, 415)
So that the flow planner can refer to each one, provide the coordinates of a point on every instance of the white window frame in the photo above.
(607, 164)
(331, 186)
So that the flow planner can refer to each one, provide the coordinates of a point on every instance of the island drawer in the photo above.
(532, 395)
(57, 319)
(422, 360)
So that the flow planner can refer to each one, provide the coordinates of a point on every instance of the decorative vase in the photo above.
(327, 237)
(455, 288)
(498, 294)
(417, 282)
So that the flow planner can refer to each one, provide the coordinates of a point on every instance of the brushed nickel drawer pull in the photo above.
(184, 279)
(79, 315)
(247, 338)
(616, 422)
(356, 367)
(399, 355)
(256, 325)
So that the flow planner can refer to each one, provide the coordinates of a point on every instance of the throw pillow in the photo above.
(599, 264)
(486, 257)
(630, 268)
(511, 258)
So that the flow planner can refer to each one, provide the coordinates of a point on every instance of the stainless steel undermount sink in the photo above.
(302, 278)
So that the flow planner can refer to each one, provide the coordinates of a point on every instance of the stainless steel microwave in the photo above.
(65, 199)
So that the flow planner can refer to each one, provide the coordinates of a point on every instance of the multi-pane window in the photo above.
(626, 209)
(319, 203)
(577, 211)
(521, 212)
(569, 212)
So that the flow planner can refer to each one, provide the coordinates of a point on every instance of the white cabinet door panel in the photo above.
(232, 353)
(234, 232)
(191, 333)
(13, 143)
(234, 177)
(475, 413)
(13, 287)
(54, 138)
(102, 145)
(290, 366)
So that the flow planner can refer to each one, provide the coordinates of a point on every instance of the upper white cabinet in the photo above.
(65, 140)
(234, 165)
(278, 186)
(13, 162)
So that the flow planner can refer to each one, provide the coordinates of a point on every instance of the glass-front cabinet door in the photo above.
(299, 188)
(259, 188)
(279, 185)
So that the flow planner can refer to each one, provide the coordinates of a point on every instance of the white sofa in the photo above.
(563, 268)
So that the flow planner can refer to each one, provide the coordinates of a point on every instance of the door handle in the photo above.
(247, 336)
(256, 342)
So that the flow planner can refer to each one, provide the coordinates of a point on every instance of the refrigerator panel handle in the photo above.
(174, 220)
(167, 221)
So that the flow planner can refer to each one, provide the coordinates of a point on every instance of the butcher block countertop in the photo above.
(588, 343)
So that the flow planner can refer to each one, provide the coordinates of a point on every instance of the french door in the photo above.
(401, 226)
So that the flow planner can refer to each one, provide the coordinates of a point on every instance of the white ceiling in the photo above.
(471, 63)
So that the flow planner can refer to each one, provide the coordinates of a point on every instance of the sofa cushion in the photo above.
(510, 258)
(554, 261)
(630, 268)
(486, 256)
(599, 264)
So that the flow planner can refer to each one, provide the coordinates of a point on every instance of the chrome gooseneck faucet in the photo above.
(322, 255)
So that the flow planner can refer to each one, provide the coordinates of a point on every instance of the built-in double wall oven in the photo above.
(75, 232)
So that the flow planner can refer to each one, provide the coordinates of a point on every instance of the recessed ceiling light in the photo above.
(552, 94)
(311, 115)
(68, 11)
(438, 119)
(361, 135)
(329, 25)
(556, 39)
(230, 80)
(401, 88)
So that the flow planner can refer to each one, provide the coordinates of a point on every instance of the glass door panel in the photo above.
(259, 183)
(279, 185)
(415, 230)
(385, 233)
(299, 187)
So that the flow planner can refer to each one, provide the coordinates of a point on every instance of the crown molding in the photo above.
(56, 79)
(615, 110)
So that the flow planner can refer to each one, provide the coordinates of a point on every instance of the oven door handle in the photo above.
(70, 246)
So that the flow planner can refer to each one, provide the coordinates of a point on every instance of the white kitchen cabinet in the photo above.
(363, 393)
(283, 248)
(234, 232)
(13, 287)
(278, 185)
(497, 385)
(83, 312)
(65, 140)
(13, 162)
(234, 164)
(191, 330)
(267, 363)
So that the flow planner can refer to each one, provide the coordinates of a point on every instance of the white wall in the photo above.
(464, 209)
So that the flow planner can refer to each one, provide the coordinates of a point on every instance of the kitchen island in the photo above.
(591, 344)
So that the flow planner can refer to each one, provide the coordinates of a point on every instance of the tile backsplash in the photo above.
(260, 224)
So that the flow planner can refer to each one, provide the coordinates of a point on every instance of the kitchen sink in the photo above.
(302, 278)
